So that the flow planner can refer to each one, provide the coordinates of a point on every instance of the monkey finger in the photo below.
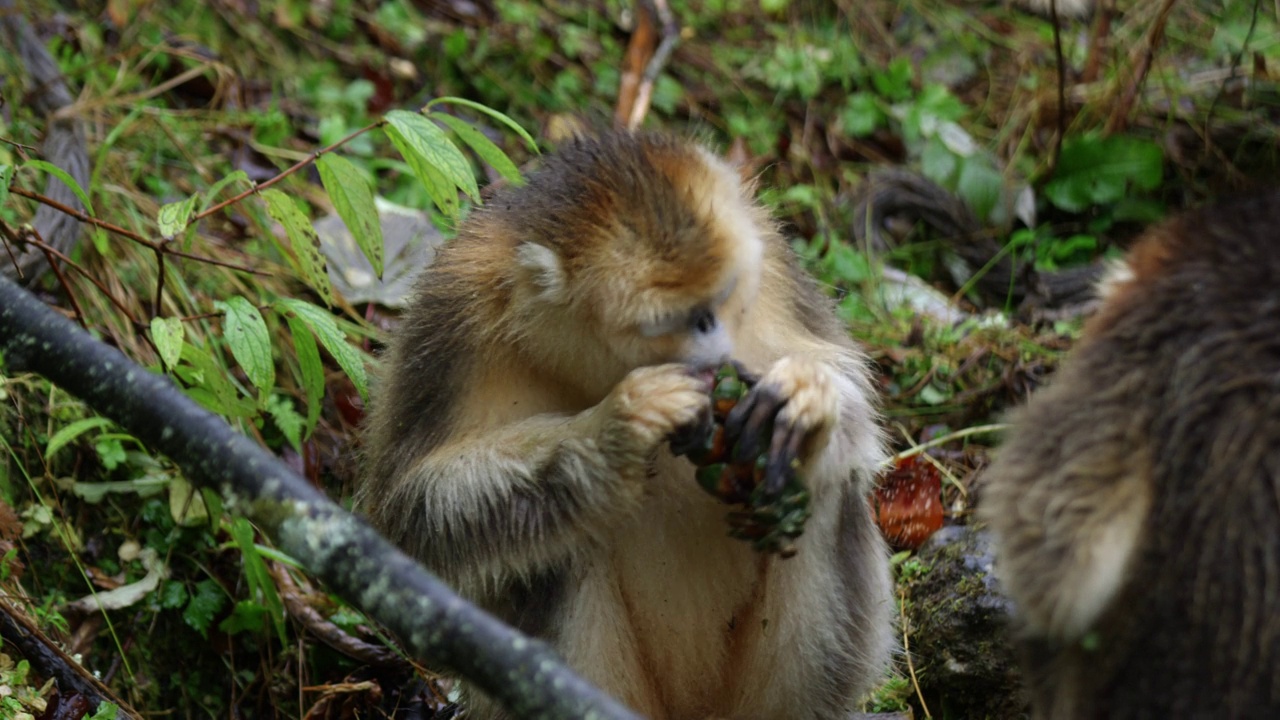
(784, 449)
(694, 435)
(747, 430)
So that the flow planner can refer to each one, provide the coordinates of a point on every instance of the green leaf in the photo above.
(500, 117)
(425, 139)
(250, 342)
(65, 435)
(6, 177)
(172, 595)
(205, 603)
(210, 386)
(483, 146)
(1096, 170)
(110, 452)
(257, 575)
(173, 218)
(334, 340)
(105, 711)
(303, 238)
(287, 419)
(860, 115)
(212, 193)
(246, 616)
(167, 334)
(310, 369)
(65, 177)
(937, 162)
(352, 196)
(439, 189)
(980, 185)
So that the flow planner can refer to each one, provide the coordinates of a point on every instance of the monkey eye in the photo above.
(703, 320)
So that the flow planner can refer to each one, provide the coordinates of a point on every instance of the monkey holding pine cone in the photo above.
(523, 442)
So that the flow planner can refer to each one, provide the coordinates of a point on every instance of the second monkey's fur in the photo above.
(518, 444)
(1136, 502)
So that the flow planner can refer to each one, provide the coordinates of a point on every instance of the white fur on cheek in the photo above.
(544, 268)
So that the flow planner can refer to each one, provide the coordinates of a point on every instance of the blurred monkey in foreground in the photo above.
(1136, 502)
(519, 442)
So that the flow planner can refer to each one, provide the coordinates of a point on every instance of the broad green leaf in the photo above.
(483, 146)
(1095, 170)
(250, 342)
(210, 386)
(167, 334)
(861, 115)
(433, 144)
(980, 185)
(186, 506)
(173, 217)
(303, 238)
(310, 369)
(69, 433)
(352, 196)
(438, 188)
(938, 163)
(6, 177)
(212, 193)
(205, 604)
(65, 177)
(500, 117)
(333, 339)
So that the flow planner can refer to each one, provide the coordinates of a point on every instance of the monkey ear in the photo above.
(542, 270)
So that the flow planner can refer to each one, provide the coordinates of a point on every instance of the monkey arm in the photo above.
(510, 501)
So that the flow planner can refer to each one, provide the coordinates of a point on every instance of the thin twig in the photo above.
(1222, 88)
(41, 245)
(155, 306)
(957, 435)
(906, 652)
(293, 169)
(66, 286)
(116, 229)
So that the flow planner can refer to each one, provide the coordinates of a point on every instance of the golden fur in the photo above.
(517, 444)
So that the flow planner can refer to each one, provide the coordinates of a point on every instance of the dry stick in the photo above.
(155, 306)
(670, 37)
(1098, 41)
(1120, 114)
(116, 229)
(520, 672)
(640, 49)
(1062, 86)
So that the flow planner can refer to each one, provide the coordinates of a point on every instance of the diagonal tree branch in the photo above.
(521, 673)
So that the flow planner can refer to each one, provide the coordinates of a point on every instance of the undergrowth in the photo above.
(190, 105)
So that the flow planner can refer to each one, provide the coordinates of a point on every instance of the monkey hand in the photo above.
(650, 405)
(796, 404)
